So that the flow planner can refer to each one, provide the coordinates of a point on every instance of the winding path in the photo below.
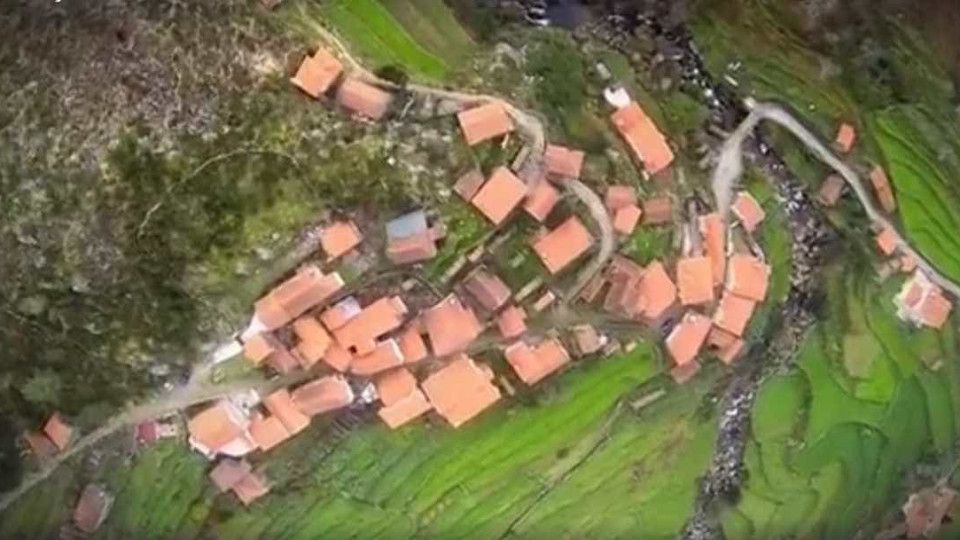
(730, 167)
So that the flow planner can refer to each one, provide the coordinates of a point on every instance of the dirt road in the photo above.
(730, 167)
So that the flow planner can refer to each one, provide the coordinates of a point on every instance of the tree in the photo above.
(43, 388)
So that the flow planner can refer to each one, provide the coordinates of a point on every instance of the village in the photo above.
(411, 353)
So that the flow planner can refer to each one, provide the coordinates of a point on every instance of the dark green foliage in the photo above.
(394, 74)
(561, 77)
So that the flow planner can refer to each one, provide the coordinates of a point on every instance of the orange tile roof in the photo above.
(643, 137)
(541, 200)
(40, 444)
(881, 186)
(283, 361)
(325, 394)
(714, 244)
(259, 347)
(500, 195)
(486, 288)
(908, 263)
(461, 390)
(386, 355)
(618, 197)
(886, 241)
(364, 98)
(228, 472)
(687, 337)
(340, 237)
(250, 488)
(484, 122)
(533, 364)
(748, 210)
(360, 333)
(695, 280)
(720, 338)
(831, 189)
(846, 136)
(59, 432)
(267, 432)
(306, 289)
(469, 184)
(657, 289)
(512, 322)
(934, 310)
(214, 427)
(733, 313)
(412, 249)
(314, 340)
(405, 410)
(317, 73)
(657, 210)
(451, 326)
(626, 219)
(563, 161)
(338, 314)
(748, 277)
(412, 346)
(337, 357)
(682, 374)
(280, 404)
(394, 385)
(563, 245)
(731, 352)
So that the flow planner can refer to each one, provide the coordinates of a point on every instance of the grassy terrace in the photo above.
(575, 461)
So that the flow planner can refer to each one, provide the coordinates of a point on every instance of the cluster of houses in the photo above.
(920, 301)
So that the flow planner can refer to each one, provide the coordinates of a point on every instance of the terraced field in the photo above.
(571, 459)
(829, 449)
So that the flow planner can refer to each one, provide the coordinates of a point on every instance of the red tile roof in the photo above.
(908, 263)
(934, 310)
(563, 245)
(484, 122)
(461, 390)
(695, 280)
(40, 444)
(469, 184)
(657, 290)
(626, 219)
(280, 404)
(215, 427)
(361, 333)
(748, 277)
(728, 345)
(386, 355)
(886, 241)
(533, 364)
(317, 73)
(657, 210)
(337, 357)
(643, 137)
(714, 244)
(394, 385)
(308, 288)
(325, 394)
(228, 472)
(687, 337)
(541, 200)
(831, 189)
(412, 346)
(405, 410)
(563, 161)
(91, 509)
(748, 210)
(618, 197)
(340, 237)
(283, 361)
(512, 322)
(500, 195)
(846, 136)
(451, 326)
(486, 288)
(259, 347)
(337, 315)
(58, 431)
(364, 98)
(250, 488)
(881, 186)
(314, 340)
(733, 313)
(412, 249)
